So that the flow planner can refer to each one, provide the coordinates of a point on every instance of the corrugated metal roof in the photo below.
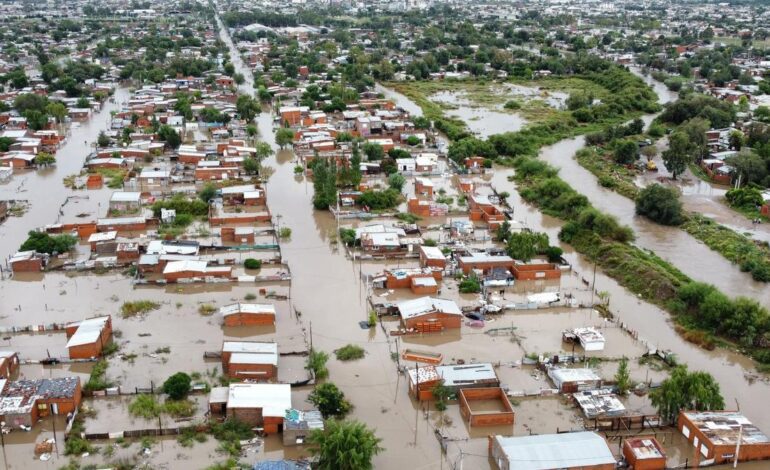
(548, 451)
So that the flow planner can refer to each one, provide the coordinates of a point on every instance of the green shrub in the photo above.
(137, 307)
(252, 263)
(349, 352)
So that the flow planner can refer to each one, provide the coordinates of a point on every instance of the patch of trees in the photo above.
(660, 204)
(719, 113)
(42, 242)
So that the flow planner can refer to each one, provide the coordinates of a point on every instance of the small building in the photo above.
(575, 450)
(599, 403)
(644, 453)
(9, 363)
(28, 262)
(574, 380)
(429, 314)
(297, 426)
(432, 257)
(88, 338)
(484, 262)
(536, 270)
(24, 402)
(194, 269)
(251, 360)
(248, 314)
(125, 201)
(497, 412)
(716, 434)
(454, 377)
(262, 405)
(590, 338)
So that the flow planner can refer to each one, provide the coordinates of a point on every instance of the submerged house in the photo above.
(87, 338)
(24, 402)
(260, 405)
(251, 360)
(429, 314)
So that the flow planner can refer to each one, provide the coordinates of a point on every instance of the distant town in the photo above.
(411, 234)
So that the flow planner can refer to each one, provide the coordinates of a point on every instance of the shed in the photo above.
(429, 314)
(578, 450)
(87, 338)
(250, 360)
(297, 426)
(574, 380)
(644, 453)
(262, 405)
(241, 314)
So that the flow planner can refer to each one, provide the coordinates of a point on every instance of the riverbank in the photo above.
(751, 256)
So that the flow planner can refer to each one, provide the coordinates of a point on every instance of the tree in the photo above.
(263, 150)
(177, 386)
(284, 136)
(57, 110)
(44, 159)
(678, 156)
(247, 107)
(170, 136)
(324, 184)
(83, 102)
(695, 129)
(27, 101)
(736, 140)
(373, 151)
(103, 139)
(626, 151)
(685, 390)
(344, 445)
(660, 204)
(396, 181)
(42, 242)
(749, 166)
(208, 192)
(329, 400)
(622, 377)
(525, 245)
(250, 166)
(36, 120)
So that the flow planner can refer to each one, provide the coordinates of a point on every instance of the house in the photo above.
(297, 426)
(24, 402)
(536, 270)
(247, 314)
(250, 360)
(194, 269)
(482, 209)
(9, 363)
(454, 376)
(574, 380)
(716, 435)
(240, 235)
(600, 403)
(262, 405)
(87, 338)
(575, 450)
(432, 257)
(125, 201)
(429, 314)
(644, 453)
(590, 338)
(18, 160)
(484, 263)
(28, 261)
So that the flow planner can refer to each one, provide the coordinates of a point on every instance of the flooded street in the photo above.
(325, 301)
(44, 189)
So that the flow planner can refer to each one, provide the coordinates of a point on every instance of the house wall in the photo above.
(498, 418)
(721, 453)
(432, 263)
(27, 266)
(424, 290)
(641, 464)
(174, 277)
(9, 366)
(251, 416)
(247, 319)
(256, 372)
(531, 272)
(485, 266)
(447, 321)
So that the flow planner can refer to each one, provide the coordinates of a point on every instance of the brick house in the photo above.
(9, 363)
(429, 314)
(261, 405)
(247, 314)
(484, 263)
(28, 261)
(432, 257)
(192, 269)
(24, 402)
(644, 453)
(87, 338)
(251, 360)
(715, 435)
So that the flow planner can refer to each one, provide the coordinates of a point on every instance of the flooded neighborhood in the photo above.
(395, 235)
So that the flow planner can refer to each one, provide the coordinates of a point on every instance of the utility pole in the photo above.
(311, 335)
(738, 445)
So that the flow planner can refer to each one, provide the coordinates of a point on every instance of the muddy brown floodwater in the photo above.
(736, 373)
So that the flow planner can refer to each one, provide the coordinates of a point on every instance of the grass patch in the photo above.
(137, 307)
(114, 177)
(230, 433)
(189, 436)
(98, 379)
(349, 352)
(207, 310)
(611, 175)
(750, 256)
